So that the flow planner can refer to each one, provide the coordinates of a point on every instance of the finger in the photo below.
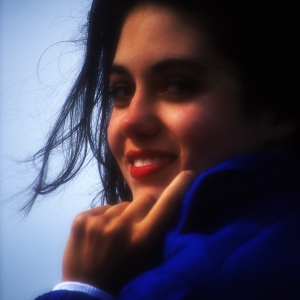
(139, 208)
(82, 218)
(99, 210)
(109, 219)
(167, 204)
(116, 210)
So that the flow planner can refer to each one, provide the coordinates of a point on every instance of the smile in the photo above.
(146, 162)
(150, 161)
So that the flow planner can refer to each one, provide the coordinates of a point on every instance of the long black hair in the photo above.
(258, 36)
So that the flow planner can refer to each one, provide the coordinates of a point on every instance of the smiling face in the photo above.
(177, 103)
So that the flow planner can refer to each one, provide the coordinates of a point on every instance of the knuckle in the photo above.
(83, 219)
(80, 219)
(96, 211)
(122, 206)
(79, 223)
(115, 226)
(124, 203)
(106, 222)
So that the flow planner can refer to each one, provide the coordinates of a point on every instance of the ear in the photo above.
(278, 128)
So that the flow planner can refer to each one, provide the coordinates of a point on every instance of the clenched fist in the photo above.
(110, 245)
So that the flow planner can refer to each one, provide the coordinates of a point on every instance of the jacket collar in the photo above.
(236, 180)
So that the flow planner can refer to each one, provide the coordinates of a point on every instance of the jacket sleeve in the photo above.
(66, 295)
(71, 290)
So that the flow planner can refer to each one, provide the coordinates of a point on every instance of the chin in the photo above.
(153, 185)
(154, 192)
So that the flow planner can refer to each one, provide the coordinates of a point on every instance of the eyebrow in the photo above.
(178, 62)
(164, 65)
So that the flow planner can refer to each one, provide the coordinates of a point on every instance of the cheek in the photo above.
(192, 124)
(206, 136)
(198, 140)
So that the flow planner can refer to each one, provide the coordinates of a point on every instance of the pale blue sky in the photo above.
(32, 248)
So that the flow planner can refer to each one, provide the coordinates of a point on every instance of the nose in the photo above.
(141, 118)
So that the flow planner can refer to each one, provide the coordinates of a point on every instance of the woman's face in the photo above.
(177, 103)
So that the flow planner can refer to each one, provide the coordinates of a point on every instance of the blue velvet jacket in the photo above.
(237, 236)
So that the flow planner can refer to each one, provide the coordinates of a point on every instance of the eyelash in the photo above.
(126, 89)
(183, 88)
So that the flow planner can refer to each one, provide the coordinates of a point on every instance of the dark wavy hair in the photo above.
(259, 37)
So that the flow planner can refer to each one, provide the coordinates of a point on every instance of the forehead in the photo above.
(154, 33)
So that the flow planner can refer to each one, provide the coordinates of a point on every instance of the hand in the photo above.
(109, 245)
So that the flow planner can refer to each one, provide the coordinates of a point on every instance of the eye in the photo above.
(178, 87)
(121, 93)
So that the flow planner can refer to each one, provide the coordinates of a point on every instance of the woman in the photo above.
(200, 88)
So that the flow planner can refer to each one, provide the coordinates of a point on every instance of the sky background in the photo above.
(36, 72)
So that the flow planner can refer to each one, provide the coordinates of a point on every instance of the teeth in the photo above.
(138, 163)
(150, 161)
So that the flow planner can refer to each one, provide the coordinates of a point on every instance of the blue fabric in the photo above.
(237, 236)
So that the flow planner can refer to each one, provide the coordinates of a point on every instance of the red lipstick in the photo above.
(146, 162)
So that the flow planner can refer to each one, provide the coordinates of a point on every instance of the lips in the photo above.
(146, 162)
